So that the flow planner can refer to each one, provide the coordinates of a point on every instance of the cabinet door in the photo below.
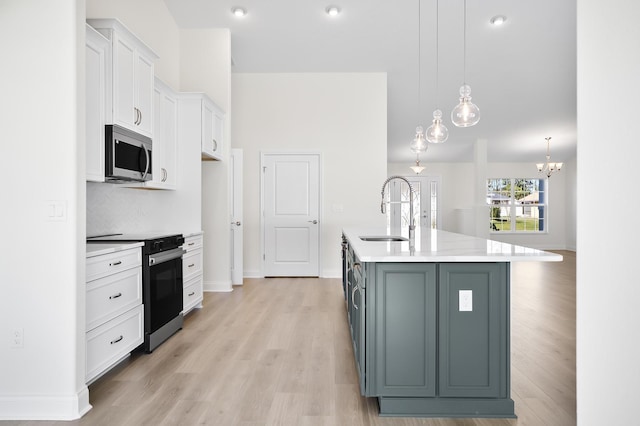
(124, 62)
(405, 329)
(208, 147)
(165, 107)
(96, 52)
(212, 130)
(473, 330)
(144, 95)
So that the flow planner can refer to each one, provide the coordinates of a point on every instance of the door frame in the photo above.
(263, 155)
(235, 197)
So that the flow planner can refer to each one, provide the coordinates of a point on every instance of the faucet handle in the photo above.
(382, 207)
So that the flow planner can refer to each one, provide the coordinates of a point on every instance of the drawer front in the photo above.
(191, 264)
(192, 294)
(110, 342)
(113, 295)
(192, 243)
(107, 264)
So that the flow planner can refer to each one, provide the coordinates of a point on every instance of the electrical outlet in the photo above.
(465, 300)
(17, 338)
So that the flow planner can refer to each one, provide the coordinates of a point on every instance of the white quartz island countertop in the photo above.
(440, 246)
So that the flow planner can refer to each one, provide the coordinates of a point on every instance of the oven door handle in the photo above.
(165, 256)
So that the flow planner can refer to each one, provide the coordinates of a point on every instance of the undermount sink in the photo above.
(384, 238)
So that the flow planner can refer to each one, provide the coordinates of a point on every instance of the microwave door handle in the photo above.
(146, 166)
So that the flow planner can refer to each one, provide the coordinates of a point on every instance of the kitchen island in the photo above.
(430, 321)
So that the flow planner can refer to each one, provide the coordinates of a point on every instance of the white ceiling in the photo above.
(522, 74)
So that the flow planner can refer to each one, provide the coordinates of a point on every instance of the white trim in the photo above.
(253, 274)
(217, 286)
(45, 407)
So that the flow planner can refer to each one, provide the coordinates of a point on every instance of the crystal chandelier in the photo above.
(548, 168)
(466, 113)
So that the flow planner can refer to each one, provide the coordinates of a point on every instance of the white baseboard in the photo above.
(218, 286)
(252, 274)
(45, 407)
(332, 273)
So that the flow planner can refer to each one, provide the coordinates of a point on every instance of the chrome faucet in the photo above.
(412, 225)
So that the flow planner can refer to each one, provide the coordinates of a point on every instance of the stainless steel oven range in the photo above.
(161, 283)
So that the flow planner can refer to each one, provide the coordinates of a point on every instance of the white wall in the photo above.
(457, 198)
(608, 270)
(41, 159)
(342, 116)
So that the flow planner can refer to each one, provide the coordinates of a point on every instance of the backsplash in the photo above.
(113, 208)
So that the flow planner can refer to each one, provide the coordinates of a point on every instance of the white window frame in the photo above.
(513, 206)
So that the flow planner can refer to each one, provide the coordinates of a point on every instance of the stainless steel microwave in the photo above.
(127, 155)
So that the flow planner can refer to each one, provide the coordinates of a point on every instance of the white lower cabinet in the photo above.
(114, 309)
(192, 273)
(113, 340)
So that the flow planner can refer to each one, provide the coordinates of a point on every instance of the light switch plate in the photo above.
(465, 300)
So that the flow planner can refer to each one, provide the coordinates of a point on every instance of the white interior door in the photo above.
(291, 206)
(235, 165)
(425, 204)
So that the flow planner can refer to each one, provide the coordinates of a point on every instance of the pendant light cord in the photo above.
(464, 45)
(419, 62)
(437, 51)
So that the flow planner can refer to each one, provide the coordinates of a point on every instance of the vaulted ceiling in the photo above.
(522, 74)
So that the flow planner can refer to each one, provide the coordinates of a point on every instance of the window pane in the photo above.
(499, 191)
(500, 218)
(531, 219)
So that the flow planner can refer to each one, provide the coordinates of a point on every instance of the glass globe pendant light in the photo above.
(466, 113)
(419, 143)
(437, 132)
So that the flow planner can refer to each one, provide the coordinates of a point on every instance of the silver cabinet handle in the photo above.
(353, 295)
(191, 266)
(236, 223)
(140, 120)
(191, 244)
(191, 294)
(313, 221)
(146, 168)
(164, 174)
(115, 296)
(119, 262)
(117, 340)
(215, 144)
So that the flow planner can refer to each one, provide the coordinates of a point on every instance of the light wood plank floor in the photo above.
(278, 352)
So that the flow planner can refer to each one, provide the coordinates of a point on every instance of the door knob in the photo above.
(313, 221)
(236, 223)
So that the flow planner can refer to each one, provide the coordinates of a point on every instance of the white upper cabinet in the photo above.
(132, 77)
(212, 130)
(164, 137)
(97, 53)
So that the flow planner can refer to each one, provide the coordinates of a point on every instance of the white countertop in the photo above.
(441, 246)
(98, 248)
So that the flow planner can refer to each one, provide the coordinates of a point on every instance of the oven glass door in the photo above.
(163, 292)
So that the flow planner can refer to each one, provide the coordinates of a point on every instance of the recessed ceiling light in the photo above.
(238, 12)
(498, 20)
(333, 10)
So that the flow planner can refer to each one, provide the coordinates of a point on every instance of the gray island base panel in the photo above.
(430, 324)
(446, 407)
